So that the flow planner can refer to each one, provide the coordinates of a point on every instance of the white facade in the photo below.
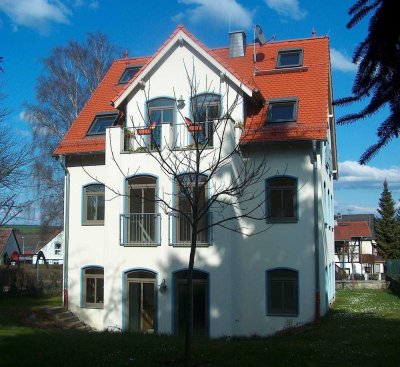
(235, 265)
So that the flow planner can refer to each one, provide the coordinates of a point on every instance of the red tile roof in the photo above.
(345, 231)
(5, 234)
(310, 84)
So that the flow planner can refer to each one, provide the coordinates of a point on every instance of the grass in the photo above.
(363, 329)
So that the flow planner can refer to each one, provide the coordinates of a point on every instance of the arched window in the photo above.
(161, 111)
(141, 298)
(282, 292)
(142, 220)
(206, 111)
(93, 197)
(93, 287)
(200, 302)
(281, 199)
(185, 189)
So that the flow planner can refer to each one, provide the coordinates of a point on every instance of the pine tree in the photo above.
(387, 227)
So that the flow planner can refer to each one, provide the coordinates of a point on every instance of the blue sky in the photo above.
(29, 29)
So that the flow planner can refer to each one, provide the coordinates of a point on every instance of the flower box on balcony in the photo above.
(194, 127)
(144, 131)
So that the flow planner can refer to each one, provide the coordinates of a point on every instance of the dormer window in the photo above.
(128, 74)
(282, 110)
(101, 122)
(289, 58)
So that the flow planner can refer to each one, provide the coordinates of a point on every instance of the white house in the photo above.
(127, 254)
(53, 250)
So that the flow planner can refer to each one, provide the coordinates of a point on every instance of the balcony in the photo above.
(180, 231)
(140, 229)
(176, 136)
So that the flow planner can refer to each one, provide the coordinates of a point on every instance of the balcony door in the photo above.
(200, 302)
(141, 301)
(141, 197)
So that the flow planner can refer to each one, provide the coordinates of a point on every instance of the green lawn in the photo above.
(363, 329)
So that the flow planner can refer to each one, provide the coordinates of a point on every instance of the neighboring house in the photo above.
(53, 250)
(355, 250)
(126, 257)
(32, 239)
(9, 249)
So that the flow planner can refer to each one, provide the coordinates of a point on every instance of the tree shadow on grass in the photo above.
(342, 338)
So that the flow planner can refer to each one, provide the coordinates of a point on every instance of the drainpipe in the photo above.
(66, 229)
(316, 230)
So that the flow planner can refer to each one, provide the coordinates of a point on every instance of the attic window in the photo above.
(128, 74)
(101, 122)
(282, 111)
(289, 58)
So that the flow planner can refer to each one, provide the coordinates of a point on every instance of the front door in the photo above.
(200, 303)
(141, 301)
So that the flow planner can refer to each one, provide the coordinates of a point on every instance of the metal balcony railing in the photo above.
(176, 136)
(140, 229)
(180, 230)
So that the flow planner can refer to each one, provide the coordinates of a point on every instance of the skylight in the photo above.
(289, 58)
(100, 123)
(282, 111)
(128, 74)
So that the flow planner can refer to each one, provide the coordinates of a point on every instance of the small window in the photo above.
(94, 204)
(281, 199)
(100, 123)
(289, 58)
(282, 111)
(93, 287)
(282, 292)
(128, 74)
(57, 249)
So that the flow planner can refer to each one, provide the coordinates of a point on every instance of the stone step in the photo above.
(66, 319)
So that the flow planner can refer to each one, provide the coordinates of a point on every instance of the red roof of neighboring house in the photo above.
(309, 83)
(5, 234)
(345, 231)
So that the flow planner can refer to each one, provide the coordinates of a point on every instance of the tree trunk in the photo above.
(189, 299)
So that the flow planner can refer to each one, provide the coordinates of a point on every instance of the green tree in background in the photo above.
(378, 76)
(387, 227)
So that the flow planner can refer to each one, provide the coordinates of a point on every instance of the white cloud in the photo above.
(287, 8)
(352, 175)
(221, 11)
(35, 14)
(341, 62)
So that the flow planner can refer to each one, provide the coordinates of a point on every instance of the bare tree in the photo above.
(71, 74)
(216, 161)
(13, 161)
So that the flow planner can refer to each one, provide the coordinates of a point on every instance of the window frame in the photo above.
(128, 68)
(281, 101)
(86, 194)
(289, 51)
(294, 187)
(85, 278)
(57, 250)
(285, 311)
(101, 115)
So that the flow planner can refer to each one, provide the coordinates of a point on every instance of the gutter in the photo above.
(66, 229)
(316, 231)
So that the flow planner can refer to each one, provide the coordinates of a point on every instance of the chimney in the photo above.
(237, 44)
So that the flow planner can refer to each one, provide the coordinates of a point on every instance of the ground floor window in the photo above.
(282, 292)
(93, 287)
